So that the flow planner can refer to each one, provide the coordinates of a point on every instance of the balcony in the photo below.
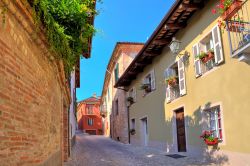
(238, 28)
(174, 92)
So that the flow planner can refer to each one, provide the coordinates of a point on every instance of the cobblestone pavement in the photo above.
(101, 151)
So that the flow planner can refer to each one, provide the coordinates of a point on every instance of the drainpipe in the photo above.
(128, 125)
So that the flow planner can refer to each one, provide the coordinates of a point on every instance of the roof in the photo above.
(85, 53)
(174, 20)
(111, 64)
(90, 100)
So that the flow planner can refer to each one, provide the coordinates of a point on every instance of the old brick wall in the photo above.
(31, 93)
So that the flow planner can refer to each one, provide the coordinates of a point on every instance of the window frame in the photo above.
(197, 62)
(152, 82)
(169, 90)
(218, 122)
(90, 122)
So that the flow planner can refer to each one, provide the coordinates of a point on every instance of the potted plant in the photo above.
(203, 57)
(210, 54)
(172, 81)
(132, 131)
(130, 99)
(227, 8)
(209, 139)
(145, 87)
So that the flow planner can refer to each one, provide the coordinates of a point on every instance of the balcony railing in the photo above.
(238, 28)
(174, 92)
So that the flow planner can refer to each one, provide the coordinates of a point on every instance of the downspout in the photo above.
(128, 124)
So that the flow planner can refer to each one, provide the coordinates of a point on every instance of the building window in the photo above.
(116, 107)
(90, 121)
(214, 121)
(148, 84)
(175, 80)
(89, 109)
(133, 124)
(116, 72)
(208, 52)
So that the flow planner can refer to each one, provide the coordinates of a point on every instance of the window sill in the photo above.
(146, 94)
(208, 72)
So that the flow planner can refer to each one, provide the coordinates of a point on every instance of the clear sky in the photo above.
(119, 20)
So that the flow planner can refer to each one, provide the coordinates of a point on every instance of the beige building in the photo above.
(113, 106)
(183, 92)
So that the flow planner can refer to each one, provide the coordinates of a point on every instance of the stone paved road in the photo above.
(101, 151)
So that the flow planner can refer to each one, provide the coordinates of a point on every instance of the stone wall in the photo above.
(33, 94)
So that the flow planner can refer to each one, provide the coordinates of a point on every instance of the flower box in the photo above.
(231, 10)
(209, 139)
(146, 87)
(130, 100)
(211, 142)
(132, 131)
(172, 81)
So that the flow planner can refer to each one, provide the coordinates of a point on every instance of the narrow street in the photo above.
(101, 151)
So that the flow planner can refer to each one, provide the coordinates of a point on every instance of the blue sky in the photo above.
(119, 20)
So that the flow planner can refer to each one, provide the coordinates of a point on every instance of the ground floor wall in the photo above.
(96, 127)
(162, 133)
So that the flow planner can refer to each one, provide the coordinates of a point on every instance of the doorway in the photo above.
(144, 123)
(180, 130)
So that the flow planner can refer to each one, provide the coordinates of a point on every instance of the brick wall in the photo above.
(33, 96)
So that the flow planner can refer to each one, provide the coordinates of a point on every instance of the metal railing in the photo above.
(238, 28)
(174, 92)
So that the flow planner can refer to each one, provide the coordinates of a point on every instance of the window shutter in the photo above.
(134, 94)
(181, 70)
(218, 53)
(197, 63)
(153, 80)
(168, 96)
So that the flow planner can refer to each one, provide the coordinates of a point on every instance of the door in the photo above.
(180, 129)
(144, 131)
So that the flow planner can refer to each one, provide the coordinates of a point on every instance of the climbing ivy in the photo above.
(68, 26)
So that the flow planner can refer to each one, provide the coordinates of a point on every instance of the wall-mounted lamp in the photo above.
(175, 49)
(174, 46)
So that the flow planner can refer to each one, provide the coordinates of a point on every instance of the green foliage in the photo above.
(201, 55)
(68, 26)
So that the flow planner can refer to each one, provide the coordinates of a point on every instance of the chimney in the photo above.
(94, 95)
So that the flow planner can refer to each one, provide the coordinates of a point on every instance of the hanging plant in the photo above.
(68, 26)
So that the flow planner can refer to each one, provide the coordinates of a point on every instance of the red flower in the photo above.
(213, 11)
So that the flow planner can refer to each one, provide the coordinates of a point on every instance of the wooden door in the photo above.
(180, 128)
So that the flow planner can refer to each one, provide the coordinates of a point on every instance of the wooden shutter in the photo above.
(197, 62)
(134, 94)
(181, 73)
(218, 53)
(152, 80)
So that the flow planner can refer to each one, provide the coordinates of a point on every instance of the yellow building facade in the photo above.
(208, 96)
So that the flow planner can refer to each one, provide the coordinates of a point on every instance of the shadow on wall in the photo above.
(80, 124)
(194, 126)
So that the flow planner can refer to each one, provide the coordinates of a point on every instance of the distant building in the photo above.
(89, 118)
(114, 108)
